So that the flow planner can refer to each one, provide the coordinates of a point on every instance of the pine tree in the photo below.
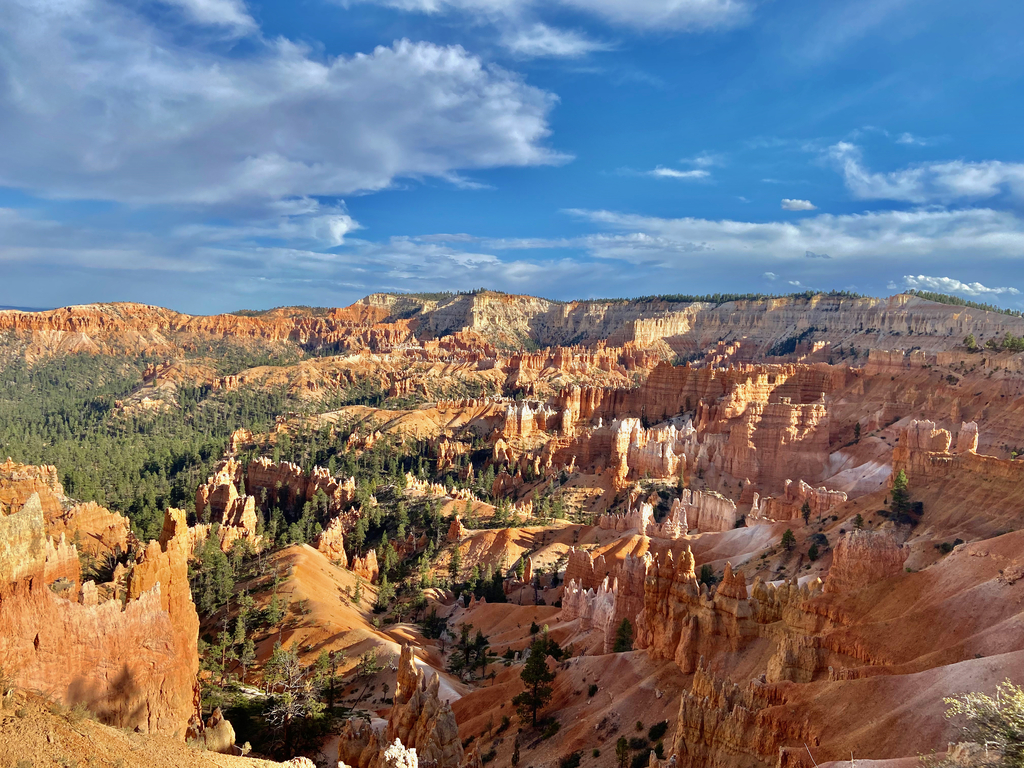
(622, 751)
(623, 637)
(900, 495)
(536, 676)
(788, 539)
(805, 511)
(357, 596)
(385, 594)
(455, 564)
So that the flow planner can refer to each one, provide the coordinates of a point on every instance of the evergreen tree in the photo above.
(455, 564)
(536, 676)
(805, 511)
(623, 637)
(622, 751)
(900, 495)
(385, 594)
(788, 539)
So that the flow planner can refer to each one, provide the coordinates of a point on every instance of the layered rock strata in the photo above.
(864, 557)
(134, 665)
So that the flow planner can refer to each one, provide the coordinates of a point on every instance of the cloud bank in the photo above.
(101, 104)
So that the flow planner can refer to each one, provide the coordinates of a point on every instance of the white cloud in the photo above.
(540, 41)
(705, 159)
(890, 235)
(298, 222)
(223, 13)
(100, 103)
(790, 204)
(672, 173)
(915, 141)
(952, 285)
(770, 276)
(944, 182)
(683, 15)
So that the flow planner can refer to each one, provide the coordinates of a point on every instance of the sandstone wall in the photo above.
(864, 557)
(133, 665)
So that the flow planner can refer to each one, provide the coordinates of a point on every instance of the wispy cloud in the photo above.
(541, 41)
(673, 173)
(230, 14)
(892, 235)
(676, 15)
(910, 139)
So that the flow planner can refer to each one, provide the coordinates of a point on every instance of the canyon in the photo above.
(786, 528)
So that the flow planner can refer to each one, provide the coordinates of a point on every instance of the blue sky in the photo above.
(211, 155)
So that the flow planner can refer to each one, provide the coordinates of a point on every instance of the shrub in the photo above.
(570, 761)
(639, 725)
(596, 753)
(487, 757)
(638, 742)
(592, 691)
(640, 760)
(658, 730)
(997, 723)
(623, 637)
(551, 729)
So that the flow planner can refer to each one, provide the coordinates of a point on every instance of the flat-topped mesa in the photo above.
(864, 557)
(418, 720)
(790, 505)
(134, 665)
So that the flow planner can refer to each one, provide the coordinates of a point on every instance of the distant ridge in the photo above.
(26, 309)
